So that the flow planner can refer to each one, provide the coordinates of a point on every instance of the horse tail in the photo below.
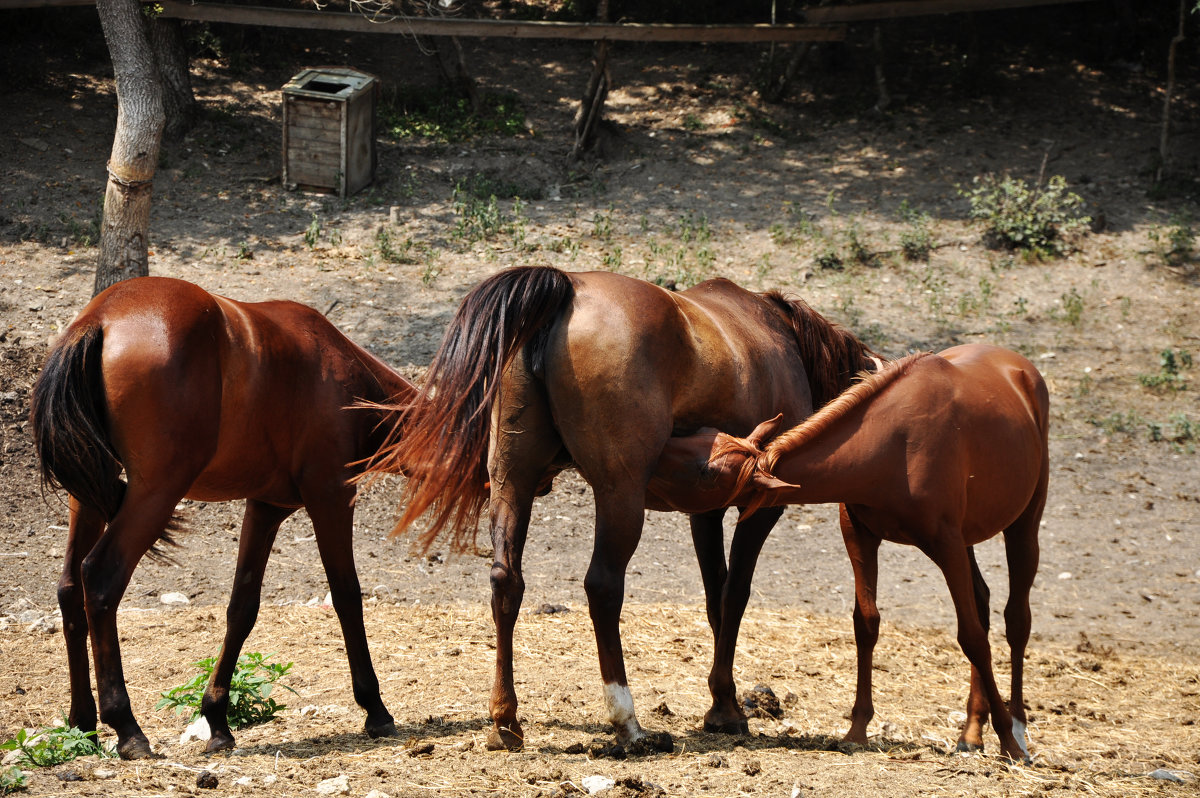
(832, 354)
(68, 417)
(441, 438)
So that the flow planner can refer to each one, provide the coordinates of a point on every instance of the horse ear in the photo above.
(765, 431)
(763, 481)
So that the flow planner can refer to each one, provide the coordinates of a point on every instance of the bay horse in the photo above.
(938, 451)
(198, 396)
(541, 370)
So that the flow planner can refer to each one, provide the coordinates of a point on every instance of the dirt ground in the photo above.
(699, 178)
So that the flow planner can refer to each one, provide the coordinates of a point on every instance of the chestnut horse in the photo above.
(199, 396)
(939, 451)
(541, 370)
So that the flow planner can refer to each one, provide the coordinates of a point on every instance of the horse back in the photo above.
(713, 355)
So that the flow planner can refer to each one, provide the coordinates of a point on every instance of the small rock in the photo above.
(173, 599)
(377, 794)
(196, 730)
(244, 781)
(103, 773)
(716, 760)
(663, 709)
(207, 780)
(1177, 776)
(752, 768)
(338, 785)
(595, 784)
(551, 609)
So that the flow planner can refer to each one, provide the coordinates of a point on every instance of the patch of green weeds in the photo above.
(312, 234)
(916, 239)
(1171, 365)
(1035, 219)
(433, 114)
(250, 701)
(1072, 308)
(393, 251)
(13, 780)
(1175, 244)
(54, 745)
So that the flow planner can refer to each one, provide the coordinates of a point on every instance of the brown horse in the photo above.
(937, 451)
(198, 396)
(542, 370)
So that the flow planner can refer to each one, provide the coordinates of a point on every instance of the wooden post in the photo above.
(591, 107)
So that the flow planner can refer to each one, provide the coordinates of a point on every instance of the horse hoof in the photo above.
(219, 742)
(651, 743)
(504, 739)
(382, 730)
(737, 727)
(965, 747)
(136, 747)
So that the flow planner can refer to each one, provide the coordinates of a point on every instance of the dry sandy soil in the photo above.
(699, 178)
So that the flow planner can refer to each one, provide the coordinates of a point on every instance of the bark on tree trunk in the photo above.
(179, 103)
(124, 246)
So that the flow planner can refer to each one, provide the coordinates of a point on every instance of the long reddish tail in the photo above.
(441, 439)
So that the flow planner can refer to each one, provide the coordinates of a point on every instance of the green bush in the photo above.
(250, 690)
(1031, 218)
(53, 746)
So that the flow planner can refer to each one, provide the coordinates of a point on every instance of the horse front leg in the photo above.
(260, 523)
(1022, 553)
(708, 539)
(726, 715)
(84, 529)
(863, 549)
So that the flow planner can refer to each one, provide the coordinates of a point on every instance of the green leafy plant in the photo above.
(12, 780)
(1171, 364)
(1072, 304)
(250, 701)
(433, 114)
(313, 233)
(54, 745)
(916, 239)
(403, 252)
(1175, 244)
(1035, 219)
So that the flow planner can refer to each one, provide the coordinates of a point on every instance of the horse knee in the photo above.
(102, 592)
(508, 588)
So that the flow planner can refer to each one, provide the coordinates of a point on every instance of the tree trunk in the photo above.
(124, 245)
(179, 103)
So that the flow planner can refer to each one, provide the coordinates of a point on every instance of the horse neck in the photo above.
(822, 453)
(832, 355)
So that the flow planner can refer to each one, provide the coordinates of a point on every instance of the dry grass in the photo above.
(1100, 719)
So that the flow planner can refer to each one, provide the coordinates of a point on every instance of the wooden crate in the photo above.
(329, 130)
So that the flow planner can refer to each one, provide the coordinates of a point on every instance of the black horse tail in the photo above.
(68, 419)
(441, 439)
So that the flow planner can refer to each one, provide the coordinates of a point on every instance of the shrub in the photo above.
(250, 690)
(1031, 218)
(53, 746)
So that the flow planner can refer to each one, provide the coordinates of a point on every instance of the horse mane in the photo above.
(832, 354)
(818, 422)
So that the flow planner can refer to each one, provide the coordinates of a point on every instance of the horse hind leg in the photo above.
(333, 523)
(106, 571)
(708, 539)
(971, 738)
(1022, 552)
(862, 547)
(85, 528)
(260, 524)
(953, 559)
